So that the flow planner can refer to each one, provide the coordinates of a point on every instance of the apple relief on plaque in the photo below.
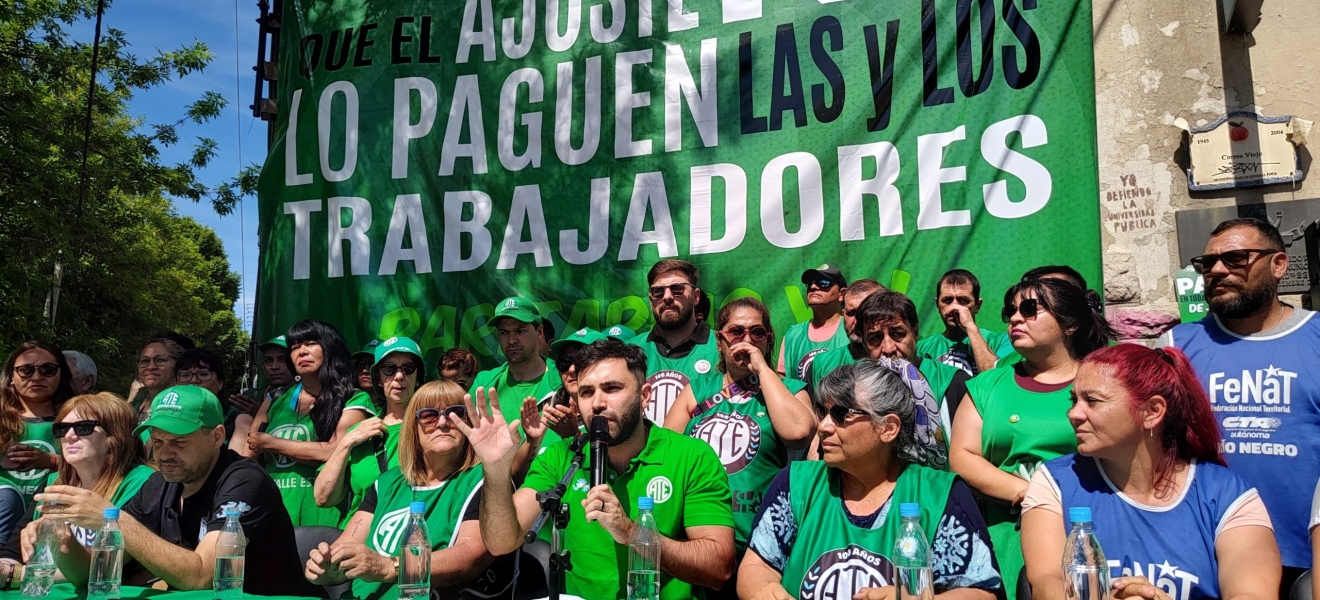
(1244, 149)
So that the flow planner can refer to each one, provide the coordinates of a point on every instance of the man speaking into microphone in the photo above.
(682, 475)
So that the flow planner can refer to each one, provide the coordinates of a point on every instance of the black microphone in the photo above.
(600, 443)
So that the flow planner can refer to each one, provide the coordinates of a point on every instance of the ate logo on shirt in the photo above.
(665, 387)
(31, 474)
(805, 363)
(840, 574)
(390, 531)
(1174, 581)
(296, 432)
(1270, 387)
(735, 437)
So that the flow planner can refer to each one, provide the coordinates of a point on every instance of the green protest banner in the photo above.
(432, 158)
(1190, 288)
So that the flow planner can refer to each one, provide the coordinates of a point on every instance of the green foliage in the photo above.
(131, 265)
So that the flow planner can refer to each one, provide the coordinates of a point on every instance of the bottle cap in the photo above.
(1079, 514)
(232, 512)
(111, 513)
(417, 508)
(909, 509)
(645, 503)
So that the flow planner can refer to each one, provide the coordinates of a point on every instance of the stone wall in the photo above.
(1162, 65)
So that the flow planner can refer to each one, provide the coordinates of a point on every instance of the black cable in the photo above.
(87, 121)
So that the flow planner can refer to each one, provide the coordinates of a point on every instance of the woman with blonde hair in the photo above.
(437, 473)
(101, 456)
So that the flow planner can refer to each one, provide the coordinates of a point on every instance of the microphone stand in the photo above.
(552, 506)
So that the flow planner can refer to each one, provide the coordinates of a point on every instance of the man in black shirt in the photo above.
(171, 526)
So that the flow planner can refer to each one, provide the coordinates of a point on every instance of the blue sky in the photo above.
(164, 25)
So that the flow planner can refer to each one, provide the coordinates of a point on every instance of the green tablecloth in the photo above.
(65, 591)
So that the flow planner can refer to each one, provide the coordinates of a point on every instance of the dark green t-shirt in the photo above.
(681, 474)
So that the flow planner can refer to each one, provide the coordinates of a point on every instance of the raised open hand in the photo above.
(494, 440)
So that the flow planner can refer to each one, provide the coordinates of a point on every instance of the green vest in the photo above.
(799, 350)
(364, 466)
(834, 559)
(959, 353)
(740, 432)
(938, 375)
(512, 393)
(668, 376)
(445, 505)
(296, 480)
(824, 363)
(37, 434)
(128, 487)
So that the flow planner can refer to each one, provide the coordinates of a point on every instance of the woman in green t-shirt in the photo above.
(826, 528)
(1019, 413)
(306, 422)
(438, 468)
(372, 446)
(34, 383)
(101, 456)
(748, 414)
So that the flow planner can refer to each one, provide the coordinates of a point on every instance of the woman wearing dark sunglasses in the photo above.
(101, 456)
(34, 384)
(372, 446)
(748, 414)
(1019, 415)
(847, 505)
(299, 430)
(437, 468)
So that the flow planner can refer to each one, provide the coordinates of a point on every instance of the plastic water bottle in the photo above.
(229, 563)
(644, 555)
(39, 573)
(1085, 571)
(912, 570)
(415, 556)
(107, 568)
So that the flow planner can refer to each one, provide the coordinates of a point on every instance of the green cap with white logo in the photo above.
(275, 341)
(518, 308)
(619, 332)
(368, 352)
(582, 336)
(183, 409)
(396, 344)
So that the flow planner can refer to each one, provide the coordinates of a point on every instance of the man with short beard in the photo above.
(680, 345)
(682, 476)
(173, 523)
(1256, 358)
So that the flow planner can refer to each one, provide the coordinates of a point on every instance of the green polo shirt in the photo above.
(512, 392)
(684, 477)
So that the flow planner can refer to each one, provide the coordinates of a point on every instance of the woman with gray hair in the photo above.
(826, 528)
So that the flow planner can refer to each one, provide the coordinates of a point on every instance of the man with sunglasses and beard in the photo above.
(826, 287)
(682, 476)
(1256, 358)
(680, 346)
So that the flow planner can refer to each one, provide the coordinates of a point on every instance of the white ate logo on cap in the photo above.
(171, 399)
(391, 340)
(510, 304)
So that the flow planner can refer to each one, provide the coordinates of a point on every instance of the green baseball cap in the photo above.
(275, 341)
(396, 344)
(369, 351)
(582, 336)
(619, 332)
(183, 409)
(518, 308)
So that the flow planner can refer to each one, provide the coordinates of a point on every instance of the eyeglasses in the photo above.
(80, 428)
(388, 371)
(1233, 259)
(738, 332)
(565, 360)
(46, 370)
(430, 418)
(1028, 307)
(159, 361)
(677, 289)
(362, 365)
(821, 284)
(198, 376)
(839, 413)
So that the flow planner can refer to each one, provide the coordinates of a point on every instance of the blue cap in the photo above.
(111, 513)
(1079, 514)
(645, 503)
(232, 512)
(417, 508)
(909, 509)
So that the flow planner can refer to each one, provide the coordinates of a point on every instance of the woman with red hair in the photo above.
(1174, 522)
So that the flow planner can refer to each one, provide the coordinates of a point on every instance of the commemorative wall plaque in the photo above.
(1243, 149)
